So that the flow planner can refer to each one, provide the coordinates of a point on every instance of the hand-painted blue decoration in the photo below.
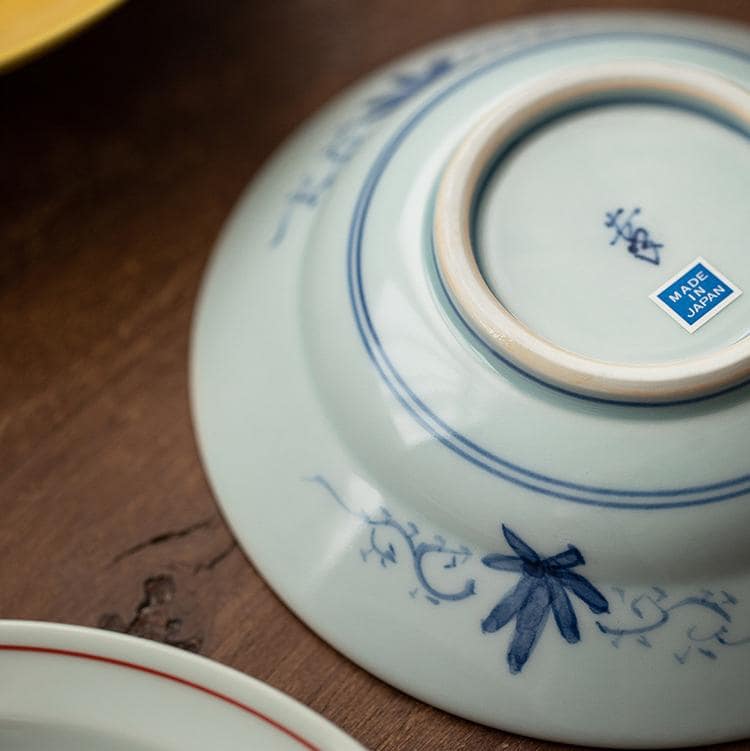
(704, 631)
(406, 86)
(349, 137)
(637, 239)
(655, 609)
(542, 588)
(385, 551)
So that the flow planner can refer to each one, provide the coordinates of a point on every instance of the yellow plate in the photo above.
(29, 26)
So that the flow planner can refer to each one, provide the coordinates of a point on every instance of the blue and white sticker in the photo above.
(696, 294)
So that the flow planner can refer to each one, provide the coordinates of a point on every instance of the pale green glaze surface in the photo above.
(289, 383)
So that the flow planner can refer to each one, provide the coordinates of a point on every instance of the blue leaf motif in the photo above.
(529, 623)
(543, 586)
(585, 590)
(508, 606)
(520, 548)
(565, 616)
(502, 562)
(569, 558)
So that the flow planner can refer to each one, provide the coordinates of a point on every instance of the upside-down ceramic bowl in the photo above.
(469, 377)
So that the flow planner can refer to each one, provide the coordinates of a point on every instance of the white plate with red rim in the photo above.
(69, 688)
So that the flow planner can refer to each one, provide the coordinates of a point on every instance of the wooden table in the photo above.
(121, 154)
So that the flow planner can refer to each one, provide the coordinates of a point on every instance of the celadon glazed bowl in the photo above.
(469, 377)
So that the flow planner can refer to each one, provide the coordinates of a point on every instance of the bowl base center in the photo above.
(582, 218)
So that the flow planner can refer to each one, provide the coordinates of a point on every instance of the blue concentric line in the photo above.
(461, 445)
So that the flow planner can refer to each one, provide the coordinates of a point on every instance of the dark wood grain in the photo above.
(121, 154)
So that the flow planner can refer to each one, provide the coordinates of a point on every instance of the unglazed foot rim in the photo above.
(484, 312)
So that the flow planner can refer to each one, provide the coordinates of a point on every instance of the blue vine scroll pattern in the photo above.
(348, 138)
(544, 586)
(654, 610)
(386, 553)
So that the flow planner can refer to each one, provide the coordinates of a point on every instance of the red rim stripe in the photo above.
(168, 676)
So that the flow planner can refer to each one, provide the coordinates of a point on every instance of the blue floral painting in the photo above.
(543, 587)
(444, 574)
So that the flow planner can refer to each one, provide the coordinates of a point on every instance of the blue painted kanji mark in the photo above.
(637, 239)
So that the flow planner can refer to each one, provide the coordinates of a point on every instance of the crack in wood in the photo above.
(165, 537)
(216, 560)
